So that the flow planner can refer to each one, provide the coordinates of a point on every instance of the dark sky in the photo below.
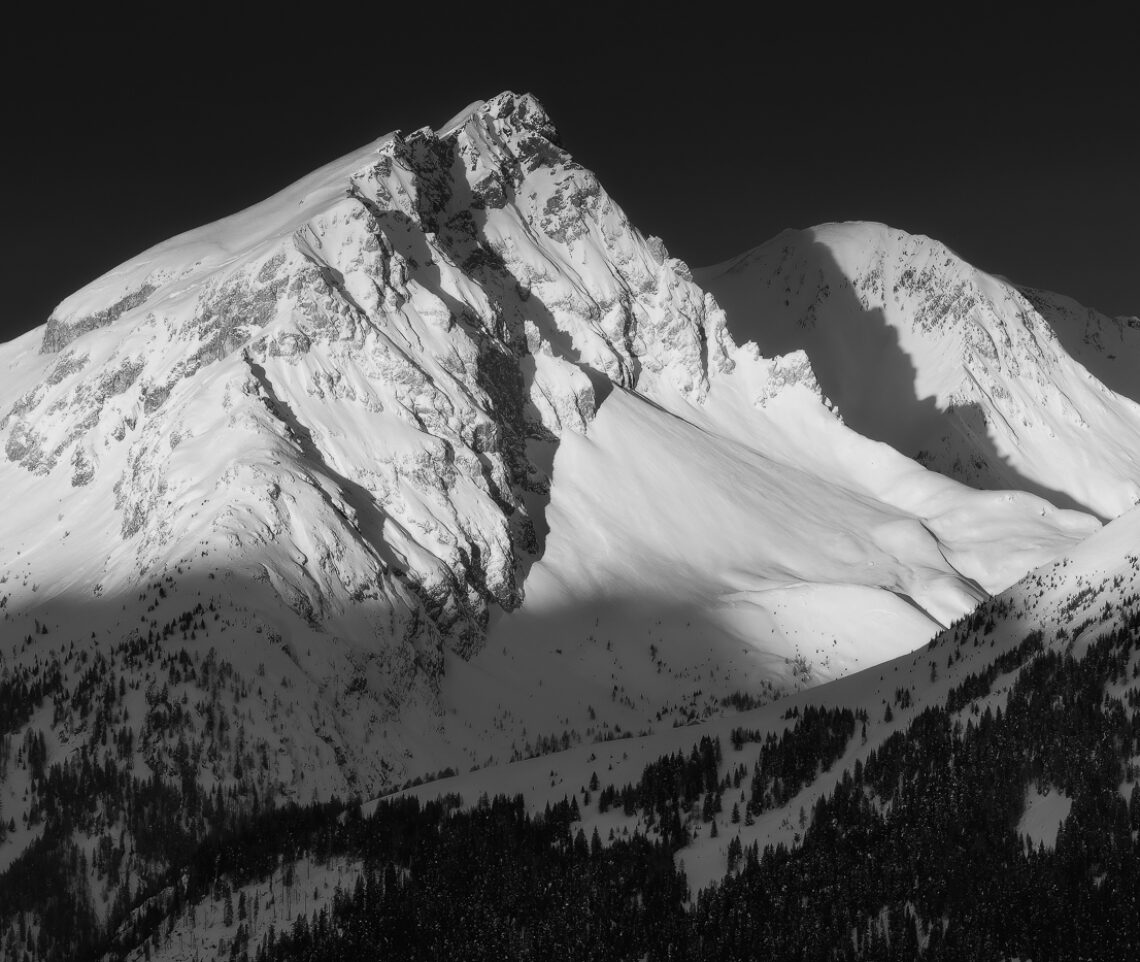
(1020, 153)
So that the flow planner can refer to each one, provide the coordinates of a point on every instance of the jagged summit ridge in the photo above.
(378, 350)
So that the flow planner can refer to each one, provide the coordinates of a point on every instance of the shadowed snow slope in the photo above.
(697, 550)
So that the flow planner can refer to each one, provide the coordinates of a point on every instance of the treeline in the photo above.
(917, 854)
(978, 684)
(669, 788)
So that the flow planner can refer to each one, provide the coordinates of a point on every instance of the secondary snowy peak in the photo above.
(358, 383)
(980, 380)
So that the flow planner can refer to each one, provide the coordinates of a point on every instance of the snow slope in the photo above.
(995, 386)
(745, 564)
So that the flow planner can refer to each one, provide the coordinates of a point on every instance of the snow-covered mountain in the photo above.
(998, 386)
(433, 460)
(458, 459)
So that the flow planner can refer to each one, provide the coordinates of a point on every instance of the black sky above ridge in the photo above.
(1020, 155)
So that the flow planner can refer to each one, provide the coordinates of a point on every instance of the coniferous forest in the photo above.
(914, 854)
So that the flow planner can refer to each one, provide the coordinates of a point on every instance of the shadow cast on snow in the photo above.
(883, 403)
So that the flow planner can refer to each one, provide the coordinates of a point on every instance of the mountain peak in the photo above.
(521, 109)
(519, 119)
(390, 344)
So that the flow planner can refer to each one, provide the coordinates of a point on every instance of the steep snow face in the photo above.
(334, 391)
(989, 384)
(1109, 347)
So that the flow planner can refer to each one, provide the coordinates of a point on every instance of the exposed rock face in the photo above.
(355, 382)
(57, 334)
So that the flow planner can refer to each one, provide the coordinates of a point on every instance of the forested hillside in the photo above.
(926, 846)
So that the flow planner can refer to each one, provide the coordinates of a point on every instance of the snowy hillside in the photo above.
(759, 567)
(987, 383)
(1039, 682)
(1092, 590)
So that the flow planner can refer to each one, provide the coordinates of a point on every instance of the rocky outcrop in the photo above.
(58, 333)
